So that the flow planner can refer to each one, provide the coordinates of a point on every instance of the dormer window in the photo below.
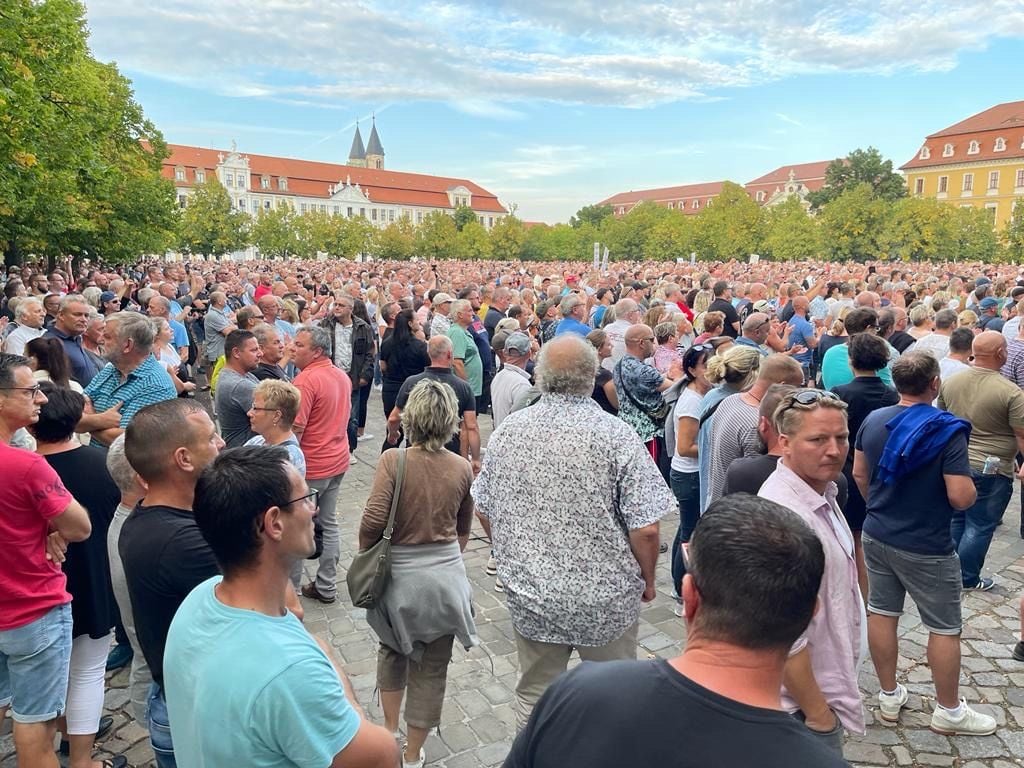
(200, 176)
(947, 151)
(282, 184)
(179, 174)
(1000, 144)
(264, 182)
(973, 148)
(671, 206)
(760, 196)
(925, 153)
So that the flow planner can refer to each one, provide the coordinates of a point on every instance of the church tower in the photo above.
(374, 150)
(357, 155)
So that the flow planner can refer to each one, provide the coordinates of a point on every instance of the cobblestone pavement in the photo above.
(478, 722)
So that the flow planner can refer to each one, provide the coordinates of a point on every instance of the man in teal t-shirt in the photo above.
(246, 683)
(468, 364)
(835, 365)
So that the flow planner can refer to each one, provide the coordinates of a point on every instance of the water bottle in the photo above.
(991, 466)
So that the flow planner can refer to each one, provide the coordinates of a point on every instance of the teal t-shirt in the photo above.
(244, 688)
(465, 349)
(836, 371)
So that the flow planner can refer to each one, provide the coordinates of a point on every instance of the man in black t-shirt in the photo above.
(747, 597)
(723, 304)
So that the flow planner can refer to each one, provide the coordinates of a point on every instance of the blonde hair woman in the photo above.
(921, 321)
(275, 404)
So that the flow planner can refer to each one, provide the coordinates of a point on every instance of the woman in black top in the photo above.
(402, 354)
(83, 470)
(359, 310)
(604, 386)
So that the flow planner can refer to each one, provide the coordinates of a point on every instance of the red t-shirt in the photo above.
(30, 496)
(261, 291)
(323, 417)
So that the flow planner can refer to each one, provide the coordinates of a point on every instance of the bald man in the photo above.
(995, 408)
(868, 299)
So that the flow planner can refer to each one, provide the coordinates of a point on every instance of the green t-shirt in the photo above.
(994, 406)
(465, 349)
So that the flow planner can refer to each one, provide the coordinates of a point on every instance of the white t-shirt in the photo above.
(688, 405)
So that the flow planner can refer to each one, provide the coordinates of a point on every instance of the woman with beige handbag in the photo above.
(425, 602)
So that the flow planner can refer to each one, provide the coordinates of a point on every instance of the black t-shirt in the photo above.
(463, 393)
(491, 320)
(901, 340)
(165, 557)
(913, 513)
(747, 475)
(266, 371)
(603, 377)
(731, 316)
(403, 360)
(786, 313)
(644, 713)
(84, 473)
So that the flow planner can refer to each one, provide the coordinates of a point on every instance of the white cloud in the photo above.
(484, 58)
(787, 119)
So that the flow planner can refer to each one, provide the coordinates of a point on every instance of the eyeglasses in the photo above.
(314, 495)
(805, 398)
(34, 390)
(254, 408)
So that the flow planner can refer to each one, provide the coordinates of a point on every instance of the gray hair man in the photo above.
(627, 313)
(30, 316)
(556, 601)
(70, 323)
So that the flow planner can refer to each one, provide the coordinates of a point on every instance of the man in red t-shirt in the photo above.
(322, 429)
(39, 518)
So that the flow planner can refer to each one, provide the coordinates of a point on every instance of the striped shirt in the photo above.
(149, 383)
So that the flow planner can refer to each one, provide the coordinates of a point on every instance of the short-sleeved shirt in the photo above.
(594, 465)
(402, 360)
(83, 367)
(234, 399)
(508, 386)
(836, 371)
(323, 418)
(464, 348)
(165, 557)
(214, 324)
(687, 406)
(801, 331)
(994, 406)
(149, 383)
(731, 316)
(463, 394)
(244, 688)
(31, 495)
(295, 455)
(658, 717)
(913, 513)
(636, 384)
(733, 436)
(179, 334)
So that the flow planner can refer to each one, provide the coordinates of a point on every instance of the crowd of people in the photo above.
(175, 438)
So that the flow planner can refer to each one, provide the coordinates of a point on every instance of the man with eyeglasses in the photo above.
(820, 679)
(236, 654)
(39, 518)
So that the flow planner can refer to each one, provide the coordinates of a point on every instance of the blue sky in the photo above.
(557, 104)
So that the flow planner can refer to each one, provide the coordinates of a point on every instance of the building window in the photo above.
(993, 181)
(229, 179)
(992, 209)
(302, 207)
(1000, 144)
(943, 184)
(973, 148)
(266, 205)
(671, 206)
(490, 221)
(179, 174)
(200, 176)
(282, 184)
(241, 204)
(695, 204)
(760, 196)
(182, 201)
(264, 182)
(241, 181)
(925, 153)
(968, 182)
(391, 215)
(334, 210)
(349, 214)
(1020, 178)
(362, 213)
(621, 210)
(919, 186)
(373, 214)
(419, 217)
(947, 151)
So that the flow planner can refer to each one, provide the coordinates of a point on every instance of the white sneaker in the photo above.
(492, 566)
(970, 723)
(367, 436)
(352, 458)
(416, 763)
(498, 586)
(889, 705)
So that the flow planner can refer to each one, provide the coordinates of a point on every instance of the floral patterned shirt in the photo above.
(640, 380)
(563, 483)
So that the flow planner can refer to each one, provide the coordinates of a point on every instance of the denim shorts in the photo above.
(160, 728)
(933, 582)
(34, 663)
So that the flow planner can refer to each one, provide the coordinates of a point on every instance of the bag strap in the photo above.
(399, 478)
(629, 394)
(709, 413)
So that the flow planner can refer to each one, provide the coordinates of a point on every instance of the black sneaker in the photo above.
(1018, 651)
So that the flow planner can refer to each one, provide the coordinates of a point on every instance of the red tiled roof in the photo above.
(961, 142)
(811, 175)
(666, 194)
(311, 179)
(1000, 117)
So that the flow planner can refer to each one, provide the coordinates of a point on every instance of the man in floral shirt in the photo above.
(575, 528)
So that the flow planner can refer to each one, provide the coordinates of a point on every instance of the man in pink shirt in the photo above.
(322, 430)
(820, 681)
(39, 518)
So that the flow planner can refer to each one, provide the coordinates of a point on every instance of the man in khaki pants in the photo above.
(574, 524)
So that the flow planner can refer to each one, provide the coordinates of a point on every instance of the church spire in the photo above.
(374, 149)
(357, 155)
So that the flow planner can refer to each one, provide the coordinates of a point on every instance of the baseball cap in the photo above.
(762, 306)
(982, 281)
(572, 279)
(639, 285)
(441, 298)
(988, 303)
(517, 342)
(107, 296)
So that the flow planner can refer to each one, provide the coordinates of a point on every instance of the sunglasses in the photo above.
(805, 398)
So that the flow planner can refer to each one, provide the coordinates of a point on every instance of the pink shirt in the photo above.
(30, 496)
(835, 636)
(323, 418)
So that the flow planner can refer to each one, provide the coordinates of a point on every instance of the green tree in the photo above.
(974, 238)
(626, 238)
(315, 232)
(790, 233)
(671, 238)
(473, 242)
(436, 237)
(349, 237)
(591, 214)
(396, 241)
(730, 228)
(862, 166)
(853, 223)
(1013, 235)
(507, 238)
(464, 215)
(81, 163)
(273, 232)
(209, 225)
(919, 229)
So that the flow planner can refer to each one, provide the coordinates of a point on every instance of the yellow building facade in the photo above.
(978, 163)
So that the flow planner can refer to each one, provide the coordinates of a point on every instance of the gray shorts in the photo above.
(933, 581)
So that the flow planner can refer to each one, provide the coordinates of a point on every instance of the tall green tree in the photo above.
(464, 215)
(590, 214)
(730, 228)
(862, 166)
(473, 242)
(209, 225)
(273, 232)
(853, 223)
(671, 238)
(790, 233)
(507, 237)
(436, 237)
(80, 162)
(1013, 235)
(919, 229)
(974, 238)
(626, 238)
(396, 241)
